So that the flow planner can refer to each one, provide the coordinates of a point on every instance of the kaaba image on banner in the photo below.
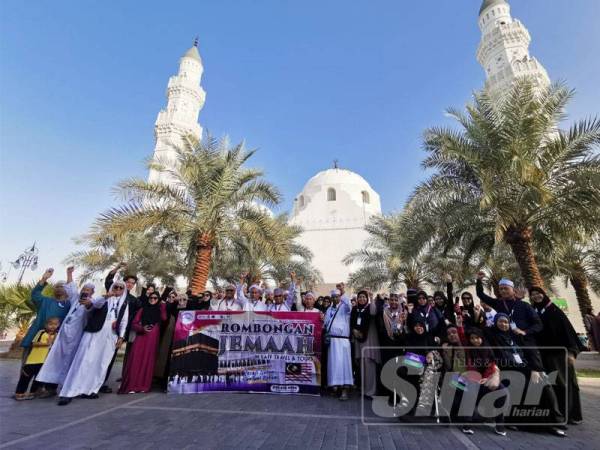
(196, 355)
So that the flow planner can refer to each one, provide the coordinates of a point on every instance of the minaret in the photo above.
(504, 48)
(179, 121)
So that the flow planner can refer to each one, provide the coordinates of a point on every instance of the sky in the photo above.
(304, 82)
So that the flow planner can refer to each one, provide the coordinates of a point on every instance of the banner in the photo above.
(238, 351)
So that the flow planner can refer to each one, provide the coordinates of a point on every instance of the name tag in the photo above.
(513, 325)
(359, 321)
(518, 359)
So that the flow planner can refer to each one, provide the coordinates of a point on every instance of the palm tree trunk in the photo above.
(580, 284)
(204, 250)
(520, 241)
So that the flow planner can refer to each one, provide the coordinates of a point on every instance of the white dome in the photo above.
(337, 176)
(335, 192)
(333, 209)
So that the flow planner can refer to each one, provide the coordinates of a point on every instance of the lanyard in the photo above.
(506, 307)
(114, 308)
(428, 311)
(227, 307)
(330, 324)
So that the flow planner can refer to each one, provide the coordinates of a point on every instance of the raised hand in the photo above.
(448, 278)
(480, 275)
(47, 274)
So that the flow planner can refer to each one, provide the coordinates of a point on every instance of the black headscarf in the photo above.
(480, 358)
(150, 313)
(558, 330)
(413, 339)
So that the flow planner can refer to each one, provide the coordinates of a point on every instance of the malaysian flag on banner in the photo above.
(299, 372)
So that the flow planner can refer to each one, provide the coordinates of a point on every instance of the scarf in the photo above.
(150, 314)
(391, 323)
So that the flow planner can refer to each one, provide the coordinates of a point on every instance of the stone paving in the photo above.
(247, 421)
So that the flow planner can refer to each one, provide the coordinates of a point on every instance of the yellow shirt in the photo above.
(38, 354)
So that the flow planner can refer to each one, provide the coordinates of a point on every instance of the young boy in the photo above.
(40, 346)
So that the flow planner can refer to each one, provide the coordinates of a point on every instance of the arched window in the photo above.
(365, 197)
(331, 195)
(301, 201)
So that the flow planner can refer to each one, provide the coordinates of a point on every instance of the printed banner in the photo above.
(237, 351)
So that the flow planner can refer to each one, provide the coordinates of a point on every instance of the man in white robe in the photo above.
(339, 356)
(62, 352)
(227, 303)
(254, 303)
(96, 349)
(283, 301)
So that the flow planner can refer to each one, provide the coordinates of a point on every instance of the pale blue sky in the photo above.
(303, 81)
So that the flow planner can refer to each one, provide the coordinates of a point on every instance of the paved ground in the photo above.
(216, 421)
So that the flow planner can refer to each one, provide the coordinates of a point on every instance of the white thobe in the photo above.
(226, 305)
(339, 356)
(96, 351)
(63, 350)
(281, 307)
(248, 304)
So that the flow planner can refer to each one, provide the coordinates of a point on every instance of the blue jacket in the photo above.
(46, 307)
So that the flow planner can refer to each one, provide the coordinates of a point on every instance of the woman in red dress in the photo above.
(139, 368)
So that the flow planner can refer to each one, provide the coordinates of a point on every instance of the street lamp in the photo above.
(3, 275)
(25, 260)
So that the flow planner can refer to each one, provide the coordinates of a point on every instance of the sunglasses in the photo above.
(119, 287)
(153, 297)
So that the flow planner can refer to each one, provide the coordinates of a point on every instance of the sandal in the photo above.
(25, 396)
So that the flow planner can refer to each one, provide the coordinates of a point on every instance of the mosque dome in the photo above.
(333, 208)
(336, 192)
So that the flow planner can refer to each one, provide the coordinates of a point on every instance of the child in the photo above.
(40, 346)
(481, 359)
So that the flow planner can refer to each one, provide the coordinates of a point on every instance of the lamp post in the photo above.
(25, 260)
(3, 275)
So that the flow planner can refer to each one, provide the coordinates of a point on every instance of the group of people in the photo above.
(75, 337)
(480, 346)
(74, 341)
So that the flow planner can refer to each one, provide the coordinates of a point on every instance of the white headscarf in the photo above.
(123, 296)
(91, 286)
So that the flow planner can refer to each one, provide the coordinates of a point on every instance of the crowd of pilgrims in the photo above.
(74, 339)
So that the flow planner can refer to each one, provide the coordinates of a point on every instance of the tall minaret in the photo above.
(179, 121)
(504, 48)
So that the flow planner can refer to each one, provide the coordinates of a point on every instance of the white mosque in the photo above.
(335, 204)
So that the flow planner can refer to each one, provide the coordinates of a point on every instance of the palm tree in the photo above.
(509, 175)
(382, 262)
(147, 255)
(211, 198)
(239, 255)
(17, 309)
(578, 261)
